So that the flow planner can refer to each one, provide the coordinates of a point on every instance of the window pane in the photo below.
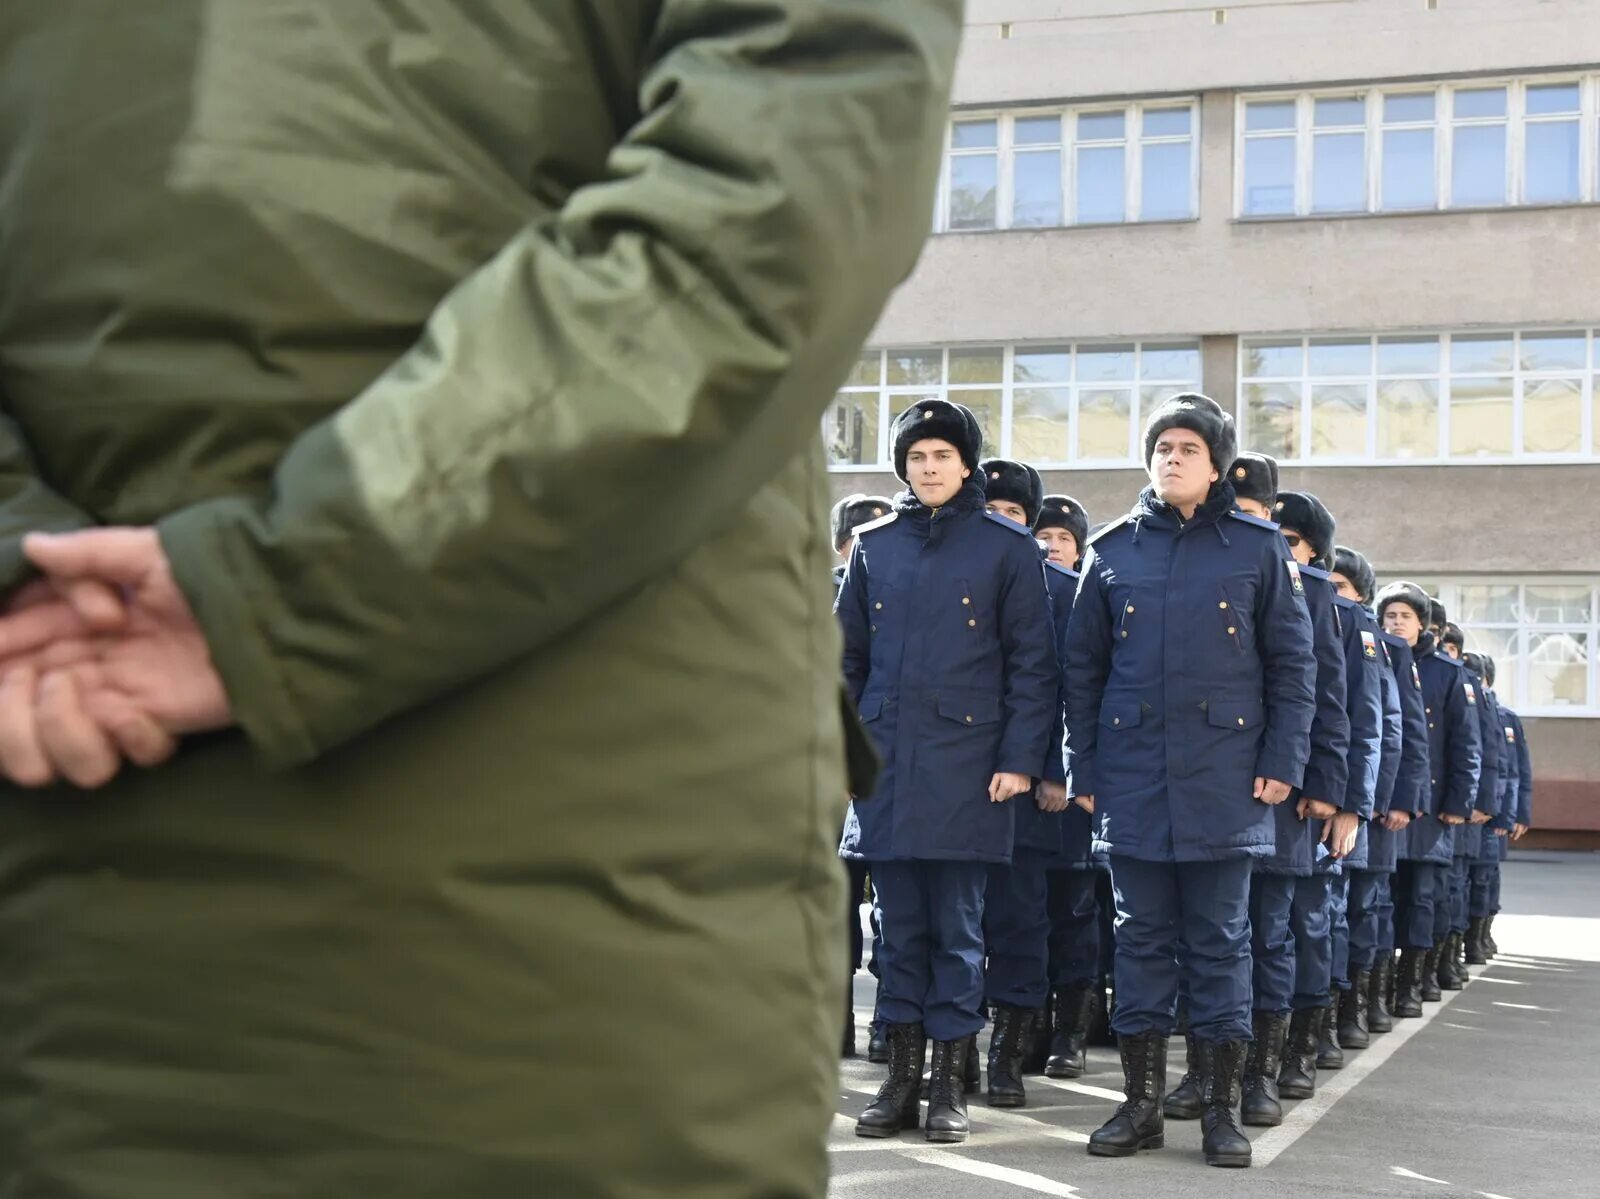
(866, 372)
(1166, 122)
(985, 406)
(1169, 362)
(1479, 173)
(1408, 169)
(1552, 97)
(1558, 669)
(1408, 418)
(1481, 102)
(1552, 416)
(1165, 191)
(1501, 645)
(1101, 186)
(1408, 106)
(1342, 110)
(1408, 355)
(1036, 131)
(1480, 418)
(1483, 353)
(1042, 364)
(1039, 424)
(1269, 176)
(972, 190)
(1486, 603)
(1344, 356)
(1339, 172)
(1151, 398)
(1104, 363)
(974, 135)
(1269, 114)
(1556, 603)
(984, 365)
(1554, 352)
(1037, 180)
(1339, 420)
(1104, 418)
(1272, 414)
(915, 366)
(850, 429)
(1102, 126)
(1551, 162)
(1274, 359)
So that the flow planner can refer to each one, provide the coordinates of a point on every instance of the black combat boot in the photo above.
(877, 1041)
(1006, 1046)
(1489, 946)
(1382, 987)
(1036, 1045)
(1461, 958)
(848, 1048)
(1259, 1105)
(1074, 1008)
(947, 1092)
(1353, 1025)
(971, 1068)
(1476, 953)
(1222, 1071)
(1137, 1124)
(1298, 1077)
(1329, 1054)
(895, 1107)
(1408, 983)
(1430, 974)
(1452, 971)
(1184, 1101)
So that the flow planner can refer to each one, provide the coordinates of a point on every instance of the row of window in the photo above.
(1404, 148)
(1434, 398)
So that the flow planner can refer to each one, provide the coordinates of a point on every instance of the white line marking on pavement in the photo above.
(980, 1114)
(1492, 1195)
(984, 1139)
(1461, 1027)
(1037, 1183)
(1402, 1172)
(1531, 966)
(1082, 1088)
(1526, 1007)
(1506, 982)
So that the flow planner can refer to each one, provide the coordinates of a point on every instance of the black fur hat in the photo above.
(1474, 663)
(1064, 512)
(1437, 617)
(1017, 482)
(1404, 593)
(1255, 477)
(1454, 636)
(1199, 414)
(1306, 515)
(936, 418)
(856, 510)
(1355, 567)
(1488, 670)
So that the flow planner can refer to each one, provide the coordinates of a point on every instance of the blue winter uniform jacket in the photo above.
(1035, 829)
(1365, 673)
(948, 653)
(1524, 809)
(1383, 845)
(1327, 770)
(1505, 816)
(1075, 848)
(1413, 790)
(1455, 751)
(1470, 838)
(1189, 674)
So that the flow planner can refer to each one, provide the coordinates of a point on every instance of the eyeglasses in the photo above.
(1293, 539)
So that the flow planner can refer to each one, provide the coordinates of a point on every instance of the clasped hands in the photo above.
(102, 662)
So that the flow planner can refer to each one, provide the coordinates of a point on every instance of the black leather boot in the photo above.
(1382, 986)
(1222, 1072)
(1184, 1101)
(1260, 1106)
(1006, 1046)
(1353, 1026)
(895, 1107)
(1452, 973)
(1489, 946)
(1330, 1056)
(1138, 1123)
(1036, 1045)
(947, 1092)
(971, 1068)
(1298, 1077)
(1408, 983)
(877, 1041)
(1430, 973)
(1461, 958)
(1074, 1008)
(848, 1048)
(1476, 953)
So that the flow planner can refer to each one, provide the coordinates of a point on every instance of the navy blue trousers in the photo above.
(1074, 927)
(1484, 886)
(1204, 907)
(1271, 942)
(1494, 893)
(1016, 931)
(1367, 905)
(932, 954)
(1451, 916)
(1418, 890)
(1339, 929)
(1311, 921)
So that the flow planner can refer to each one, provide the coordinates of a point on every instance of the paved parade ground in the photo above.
(1492, 1095)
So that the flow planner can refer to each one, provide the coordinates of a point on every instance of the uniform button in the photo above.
(1223, 604)
(1130, 607)
(972, 624)
(966, 599)
(1429, 711)
(1241, 720)
(1430, 724)
(1232, 630)
(1124, 632)
(969, 720)
(874, 628)
(879, 604)
(1116, 720)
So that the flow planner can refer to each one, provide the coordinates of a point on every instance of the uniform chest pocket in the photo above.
(968, 709)
(1118, 715)
(1239, 715)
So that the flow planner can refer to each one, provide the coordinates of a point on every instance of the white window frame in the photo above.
(1443, 124)
(1588, 450)
(1133, 142)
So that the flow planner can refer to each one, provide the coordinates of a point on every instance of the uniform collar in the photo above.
(969, 499)
(1151, 509)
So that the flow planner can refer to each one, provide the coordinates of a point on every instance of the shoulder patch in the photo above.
(1472, 695)
(1369, 645)
(1116, 524)
(1416, 676)
(1511, 734)
(1253, 520)
(1294, 576)
(1005, 522)
(877, 524)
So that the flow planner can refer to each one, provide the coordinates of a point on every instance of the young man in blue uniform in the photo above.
(1483, 869)
(948, 655)
(1451, 971)
(1189, 683)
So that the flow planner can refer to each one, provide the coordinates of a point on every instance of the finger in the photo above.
(140, 739)
(1261, 786)
(122, 556)
(38, 625)
(77, 747)
(21, 756)
(98, 604)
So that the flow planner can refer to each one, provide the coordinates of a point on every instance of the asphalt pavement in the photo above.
(1490, 1096)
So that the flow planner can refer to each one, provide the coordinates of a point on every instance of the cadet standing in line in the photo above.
(948, 653)
(1189, 706)
(1452, 969)
(1483, 870)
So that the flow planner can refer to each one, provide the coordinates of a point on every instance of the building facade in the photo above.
(1369, 227)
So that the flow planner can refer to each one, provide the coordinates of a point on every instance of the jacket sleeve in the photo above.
(1364, 704)
(1327, 773)
(854, 624)
(1086, 665)
(663, 344)
(1055, 767)
(1491, 736)
(1506, 812)
(27, 505)
(1393, 746)
(1283, 630)
(1032, 670)
(1524, 775)
(1464, 749)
